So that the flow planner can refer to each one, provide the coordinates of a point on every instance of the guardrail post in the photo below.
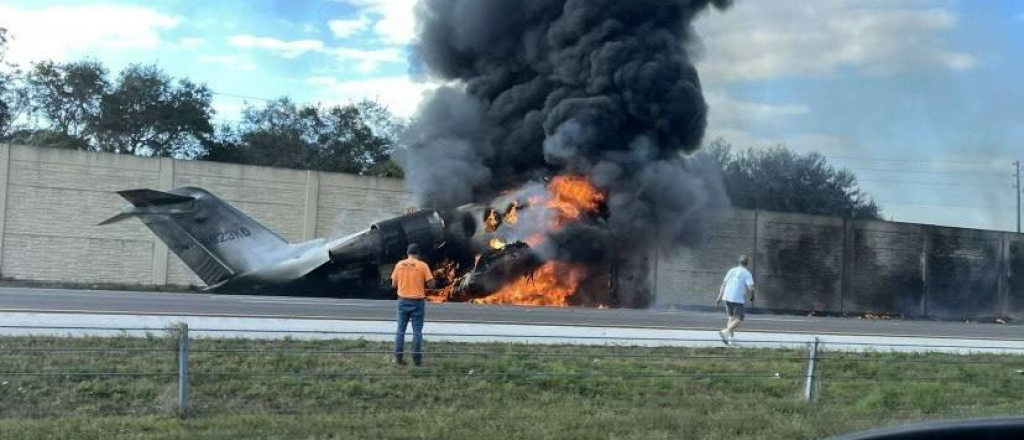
(812, 357)
(183, 369)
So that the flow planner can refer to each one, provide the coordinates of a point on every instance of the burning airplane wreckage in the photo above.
(231, 252)
(573, 122)
(554, 163)
(484, 254)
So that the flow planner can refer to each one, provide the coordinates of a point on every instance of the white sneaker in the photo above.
(731, 334)
(724, 335)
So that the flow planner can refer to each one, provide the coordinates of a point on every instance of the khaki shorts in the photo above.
(735, 310)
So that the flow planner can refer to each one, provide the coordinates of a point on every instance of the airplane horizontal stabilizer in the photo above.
(149, 197)
(116, 218)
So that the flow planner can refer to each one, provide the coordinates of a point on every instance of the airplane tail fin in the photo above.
(142, 199)
(211, 237)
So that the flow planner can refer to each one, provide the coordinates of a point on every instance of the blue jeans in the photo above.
(413, 309)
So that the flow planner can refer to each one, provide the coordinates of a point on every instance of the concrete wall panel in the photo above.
(54, 200)
(1015, 266)
(799, 262)
(349, 204)
(76, 259)
(963, 273)
(691, 277)
(885, 268)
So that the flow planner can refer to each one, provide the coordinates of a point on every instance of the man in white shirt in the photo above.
(737, 283)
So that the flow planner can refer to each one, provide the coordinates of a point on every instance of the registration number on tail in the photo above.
(226, 236)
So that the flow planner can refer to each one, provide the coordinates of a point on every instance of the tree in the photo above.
(779, 179)
(224, 146)
(3, 43)
(48, 138)
(147, 113)
(278, 134)
(5, 108)
(357, 138)
(14, 100)
(8, 89)
(68, 96)
(388, 129)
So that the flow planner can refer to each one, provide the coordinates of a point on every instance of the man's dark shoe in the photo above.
(398, 361)
(417, 361)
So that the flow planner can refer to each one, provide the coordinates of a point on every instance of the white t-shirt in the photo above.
(737, 282)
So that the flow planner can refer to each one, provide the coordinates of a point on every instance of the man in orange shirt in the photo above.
(411, 277)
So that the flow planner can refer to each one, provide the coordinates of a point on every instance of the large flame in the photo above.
(571, 197)
(551, 285)
(567, 199)
(447, 270)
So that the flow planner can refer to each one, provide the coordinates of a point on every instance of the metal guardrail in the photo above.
(182, 334)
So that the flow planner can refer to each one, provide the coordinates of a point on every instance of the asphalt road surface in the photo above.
(19, 299)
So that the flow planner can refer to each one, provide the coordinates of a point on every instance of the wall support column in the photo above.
(846, 262)
(926, 268)
(1002, 310)
(5, 177)
(754, 256)
(311, 205)
(656, 256)
(164, 183)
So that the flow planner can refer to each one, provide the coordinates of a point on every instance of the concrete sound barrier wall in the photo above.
(51, 201)
(812, 264)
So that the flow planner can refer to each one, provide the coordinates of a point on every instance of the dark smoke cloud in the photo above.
(603, 88)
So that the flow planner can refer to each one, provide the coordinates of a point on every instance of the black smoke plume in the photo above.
(600, 88)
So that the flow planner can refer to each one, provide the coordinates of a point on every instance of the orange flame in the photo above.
(492, 220)
(534, 240)
(571, 197)
(448, 270)
(551, 285)
(512, 216)
(554, 283)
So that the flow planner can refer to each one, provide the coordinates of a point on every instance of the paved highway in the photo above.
(19, 299)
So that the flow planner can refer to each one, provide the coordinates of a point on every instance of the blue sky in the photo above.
(922, 98)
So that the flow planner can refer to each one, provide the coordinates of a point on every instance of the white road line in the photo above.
(123, 313)
(276, 328)
(753, 319)
(315, 303)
